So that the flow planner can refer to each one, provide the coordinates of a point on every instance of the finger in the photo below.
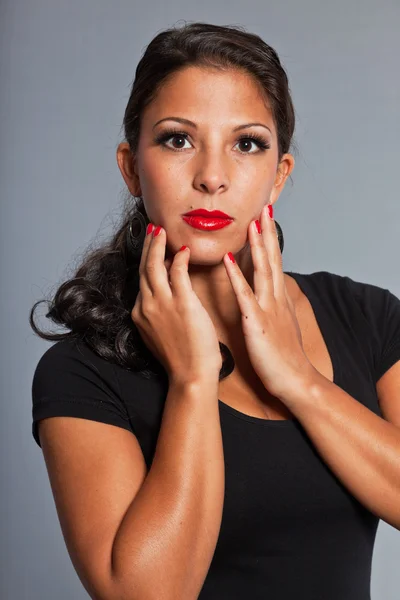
(178, 273)
(168, 263)
(143, 283)
(263, 281)
(270, 237)
(290, 302)
(145, 248)
(155, 274)
(244, 294)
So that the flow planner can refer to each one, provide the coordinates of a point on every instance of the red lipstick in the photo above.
(207, 220)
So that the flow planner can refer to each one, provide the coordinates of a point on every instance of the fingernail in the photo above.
(231, 257)
(257, 224)
(157, 230)
(150, 228)
(182, 248)
(271, 211)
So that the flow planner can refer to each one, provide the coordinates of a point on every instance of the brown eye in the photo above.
(246, 144)
(247, 140)
(180, 139)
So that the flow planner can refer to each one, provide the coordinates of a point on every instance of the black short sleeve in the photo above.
(390, 346)
(71, 380)
(381, 308)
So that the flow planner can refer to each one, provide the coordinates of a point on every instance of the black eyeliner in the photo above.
(167, 134)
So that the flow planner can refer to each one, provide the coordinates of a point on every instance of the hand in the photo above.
(271, 331)
(170, 318)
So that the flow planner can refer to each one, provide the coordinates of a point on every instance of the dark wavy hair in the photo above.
(96, 303)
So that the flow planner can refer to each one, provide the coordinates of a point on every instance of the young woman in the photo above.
(216, 428)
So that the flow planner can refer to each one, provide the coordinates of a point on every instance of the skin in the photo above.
(212, 170)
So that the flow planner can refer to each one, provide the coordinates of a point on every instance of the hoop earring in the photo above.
(280, 236)
(136, 232)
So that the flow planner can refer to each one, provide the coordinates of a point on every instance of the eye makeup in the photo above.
(259, 140)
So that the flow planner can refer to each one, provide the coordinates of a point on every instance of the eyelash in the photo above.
(166, 135)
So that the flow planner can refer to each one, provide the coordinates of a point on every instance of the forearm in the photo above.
(165, 544)
(361, 448)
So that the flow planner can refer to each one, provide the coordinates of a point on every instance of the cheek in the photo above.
(254, 185)
(151, 177)
(253, 172)
(160, 188)
(163, 179)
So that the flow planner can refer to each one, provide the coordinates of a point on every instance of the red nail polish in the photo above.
(271, 211)
(157, 230)
(257, 222)
(231, 257)
(150, 228)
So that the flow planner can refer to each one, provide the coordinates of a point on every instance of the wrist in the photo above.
(211, 380)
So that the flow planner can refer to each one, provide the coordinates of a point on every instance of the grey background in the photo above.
(66, 69)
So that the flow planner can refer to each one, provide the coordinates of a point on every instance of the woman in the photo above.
(177, 474)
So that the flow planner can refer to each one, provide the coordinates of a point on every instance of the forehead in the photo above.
(204, 94)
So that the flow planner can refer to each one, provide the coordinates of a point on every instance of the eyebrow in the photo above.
(187, 122)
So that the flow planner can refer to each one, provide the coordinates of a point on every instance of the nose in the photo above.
(211, 175)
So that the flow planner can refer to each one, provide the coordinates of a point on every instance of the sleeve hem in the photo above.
(74, 407)
(391, 356)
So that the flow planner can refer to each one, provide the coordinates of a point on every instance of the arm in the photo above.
(166, 541)
(361, 448)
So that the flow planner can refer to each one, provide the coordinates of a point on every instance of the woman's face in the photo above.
(205, 164)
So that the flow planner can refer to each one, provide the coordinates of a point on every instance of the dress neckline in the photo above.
(306, 287)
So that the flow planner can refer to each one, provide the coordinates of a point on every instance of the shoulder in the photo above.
(371, 311)
(360, 304)
(70, 379)
(71, 359)
(73, 348)
(367, 295)
(375, 301)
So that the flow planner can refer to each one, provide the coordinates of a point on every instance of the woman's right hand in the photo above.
(170, 318)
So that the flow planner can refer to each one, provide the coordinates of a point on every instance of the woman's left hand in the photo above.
(270, 327)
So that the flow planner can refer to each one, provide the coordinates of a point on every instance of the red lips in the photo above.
(203, 212)
(207, 220)
(207, 224)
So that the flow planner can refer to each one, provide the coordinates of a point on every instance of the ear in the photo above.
(284, 169)
(127, 164)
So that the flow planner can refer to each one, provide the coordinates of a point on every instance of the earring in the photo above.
(136, 232)
(280, 235)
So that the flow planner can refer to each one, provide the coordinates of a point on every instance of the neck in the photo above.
(214, 289)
